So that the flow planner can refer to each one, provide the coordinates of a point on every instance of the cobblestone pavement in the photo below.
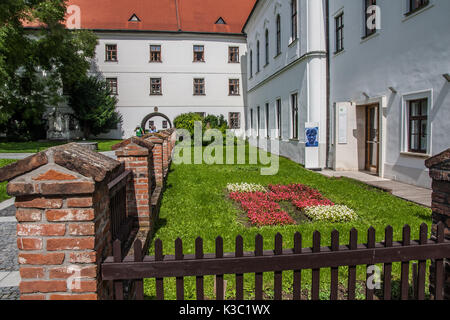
(8, 251)
(9, 293)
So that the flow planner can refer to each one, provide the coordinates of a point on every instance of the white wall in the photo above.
(177, 71)
(300, 68)
(409, 54)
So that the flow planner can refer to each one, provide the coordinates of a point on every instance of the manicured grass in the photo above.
(34, 146)
(195, 204)
(3, 195)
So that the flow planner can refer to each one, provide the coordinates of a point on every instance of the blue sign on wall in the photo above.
(312, 137)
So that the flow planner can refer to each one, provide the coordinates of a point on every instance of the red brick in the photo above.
(81, 229)
(41, 229)
(39, 203)
(41, 258)
(83, 257)
(31, 272)
(42, 286)
(29, 243)
(28, 215)
(64, 272)
(79, 202)
(90, 296)
(22, 166)
(70, 215)
(83, 286)
(54, 175)
(32, 297)
(76, 187)
(55, 244)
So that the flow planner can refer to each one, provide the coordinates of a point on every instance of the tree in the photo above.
(37, 62)
(94, 106)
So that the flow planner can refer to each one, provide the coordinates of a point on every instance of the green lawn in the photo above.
(195, 205)
(34, 146)
(3, 195)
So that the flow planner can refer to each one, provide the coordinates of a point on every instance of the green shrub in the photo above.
(187, 120)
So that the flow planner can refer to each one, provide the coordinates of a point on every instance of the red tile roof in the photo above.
(164, 15)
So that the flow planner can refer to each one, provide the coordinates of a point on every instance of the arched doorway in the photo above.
(153, 115)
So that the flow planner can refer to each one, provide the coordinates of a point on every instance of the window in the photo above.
(267, 120)
(164, 124)
(257, 57)
(294, 101)
(199, 54)
(267, 47)
(368, 4)
(251, 119)
(199, 87)
(201, 114)
(233, 87)
(155, 53)
(251, 63)
(155, 87)
(112, 82)
(279, 117)
(234, 119)
(233, 54)
(339, 33)
(415, 5)
(111, 52)
(294, 19)
(258, 121)
(418, 125)
(278, 34)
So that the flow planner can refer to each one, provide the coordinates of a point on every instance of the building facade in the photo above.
(389, 86)
(169, 57)
(159, 76)
(287, 75)
(360, 85)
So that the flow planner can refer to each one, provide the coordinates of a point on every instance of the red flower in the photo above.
(262, 208)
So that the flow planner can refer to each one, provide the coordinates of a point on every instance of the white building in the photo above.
(287, 74)
(379, 97)
(389, 100)
(169, 57)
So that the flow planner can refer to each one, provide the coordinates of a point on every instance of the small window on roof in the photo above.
(134, 18)
(220, 21)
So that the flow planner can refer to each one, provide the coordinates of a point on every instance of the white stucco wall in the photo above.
(300, 68)
(409, 54)
(177, 71)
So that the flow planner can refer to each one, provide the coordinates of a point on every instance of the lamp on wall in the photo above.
(393, 90)
(447, 77)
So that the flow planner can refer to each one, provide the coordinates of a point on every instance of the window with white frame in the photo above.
(417, 125)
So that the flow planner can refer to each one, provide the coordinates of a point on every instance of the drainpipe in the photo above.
(327, 43)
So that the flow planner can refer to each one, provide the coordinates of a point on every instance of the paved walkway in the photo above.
(405, 191)
(19, 156)
(9, 267)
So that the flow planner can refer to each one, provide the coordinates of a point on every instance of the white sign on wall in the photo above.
(342, 125)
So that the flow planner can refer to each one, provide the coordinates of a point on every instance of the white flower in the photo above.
(337, 213)
(245, 187)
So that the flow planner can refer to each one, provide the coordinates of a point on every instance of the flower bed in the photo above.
(263, 209)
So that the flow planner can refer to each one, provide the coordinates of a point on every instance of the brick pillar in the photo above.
(158, 160)
(137, 156)
(439, 167)
(63, 230)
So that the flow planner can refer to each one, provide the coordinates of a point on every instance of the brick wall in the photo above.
(63, 230)
(137, 156)
(439, 167)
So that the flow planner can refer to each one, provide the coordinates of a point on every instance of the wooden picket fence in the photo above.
(161, 266)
